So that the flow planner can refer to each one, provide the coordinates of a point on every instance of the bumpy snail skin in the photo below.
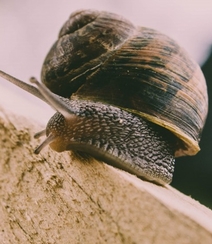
(116, 137)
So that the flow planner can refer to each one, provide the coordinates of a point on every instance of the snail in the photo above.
(129, 96)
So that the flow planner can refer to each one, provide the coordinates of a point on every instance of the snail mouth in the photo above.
(51, 138)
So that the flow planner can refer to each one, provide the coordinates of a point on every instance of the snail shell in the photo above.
(100, 56)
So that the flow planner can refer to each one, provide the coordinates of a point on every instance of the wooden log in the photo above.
(59, 198)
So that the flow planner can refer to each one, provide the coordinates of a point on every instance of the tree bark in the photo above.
(59, 198)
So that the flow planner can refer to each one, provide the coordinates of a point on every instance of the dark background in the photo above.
(193, 175)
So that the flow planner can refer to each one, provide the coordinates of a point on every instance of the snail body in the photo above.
(129, 96)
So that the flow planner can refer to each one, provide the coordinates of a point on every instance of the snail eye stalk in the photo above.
(55, 101)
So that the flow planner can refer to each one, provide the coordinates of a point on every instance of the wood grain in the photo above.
(59, 198)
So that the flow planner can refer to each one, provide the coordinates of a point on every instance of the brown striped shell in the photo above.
(101, 56)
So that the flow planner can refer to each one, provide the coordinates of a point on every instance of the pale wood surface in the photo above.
(57, 198)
